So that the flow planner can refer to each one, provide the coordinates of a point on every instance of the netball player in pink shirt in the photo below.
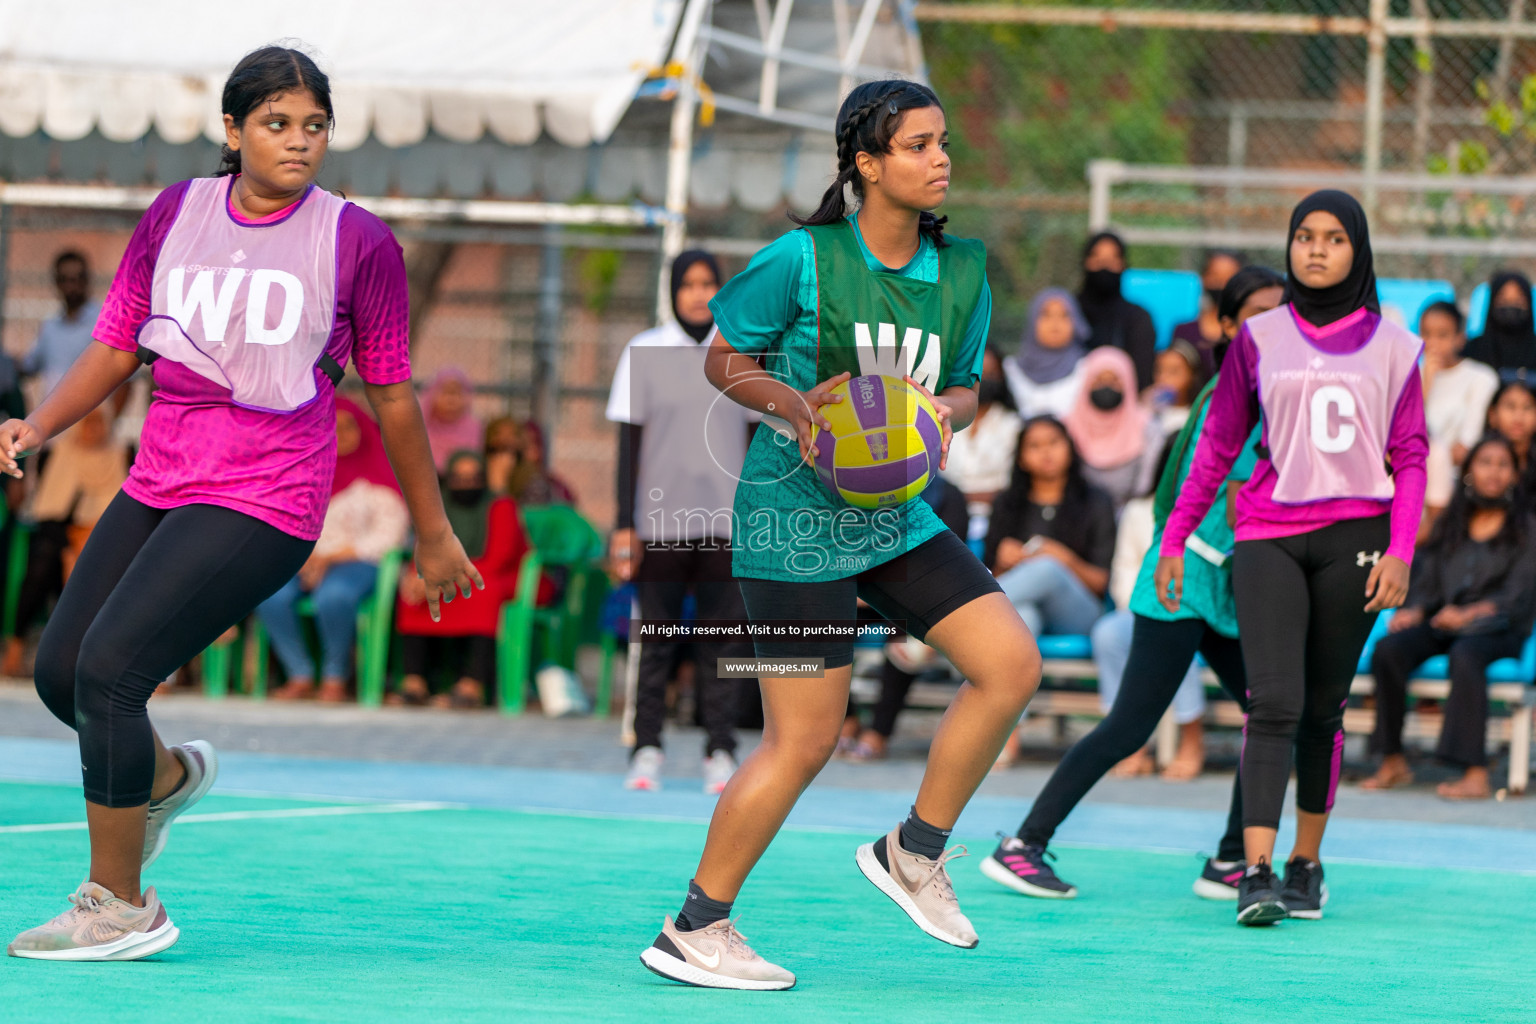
(248, 293)
(1325, 526)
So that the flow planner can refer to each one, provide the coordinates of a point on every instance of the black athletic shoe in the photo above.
(1258, 896)
(1217, 883)
(1022, 868)
(1304, 893)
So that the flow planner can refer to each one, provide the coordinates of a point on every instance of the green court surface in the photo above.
(381, 914)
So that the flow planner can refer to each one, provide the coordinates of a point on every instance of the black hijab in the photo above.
(680, 266)
(1506, 344)
(1322, 306)
(1101, 301)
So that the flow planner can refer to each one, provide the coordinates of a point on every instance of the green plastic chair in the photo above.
(559, 536)
(375, 621)
(15, 571)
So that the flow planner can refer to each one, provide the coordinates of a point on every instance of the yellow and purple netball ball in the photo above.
(883, 447)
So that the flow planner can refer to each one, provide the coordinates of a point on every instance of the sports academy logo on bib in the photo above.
(259, 327)
(1327, 416)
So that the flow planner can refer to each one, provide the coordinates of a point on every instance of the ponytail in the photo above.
(866, 123)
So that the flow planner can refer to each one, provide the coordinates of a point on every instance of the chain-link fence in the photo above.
(1036, 92)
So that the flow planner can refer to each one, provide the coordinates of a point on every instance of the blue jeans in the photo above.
(1049, 598)
(1111, 637)
(336, 601)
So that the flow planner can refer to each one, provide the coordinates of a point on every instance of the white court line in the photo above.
(288, 812)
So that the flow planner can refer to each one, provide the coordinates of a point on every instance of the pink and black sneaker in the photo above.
(1219, 879)
(1022, 867)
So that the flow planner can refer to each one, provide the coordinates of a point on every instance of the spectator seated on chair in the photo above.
(1472, 597)
(451, 423)
(463, 643)
(1456, 396)
(1178, 376)
(1113, 320)
(365, 520)
(1045, 374)
(980, 459)
(1508, 341)
(531, 482)
(1115, 435)
(1204, 331)
(83, 473)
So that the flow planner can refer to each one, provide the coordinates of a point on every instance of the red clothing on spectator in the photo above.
(505, 545)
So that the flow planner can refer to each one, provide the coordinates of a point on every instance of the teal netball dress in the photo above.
(814, 304)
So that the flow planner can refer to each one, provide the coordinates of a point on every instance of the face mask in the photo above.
(989, 391)
(1106, 399)
(466, 496)
(1510, 318)
(1102, 284)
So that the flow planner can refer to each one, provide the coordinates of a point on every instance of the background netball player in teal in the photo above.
(816, 306)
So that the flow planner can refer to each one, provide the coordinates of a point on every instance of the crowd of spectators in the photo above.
(1054, 477)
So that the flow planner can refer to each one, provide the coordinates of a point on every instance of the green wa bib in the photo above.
(869, 322)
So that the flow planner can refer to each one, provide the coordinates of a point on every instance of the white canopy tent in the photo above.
(464, 68)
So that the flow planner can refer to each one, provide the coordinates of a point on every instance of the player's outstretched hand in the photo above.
(18, 439)
(807, 413)
(444, 567)
(945, 411)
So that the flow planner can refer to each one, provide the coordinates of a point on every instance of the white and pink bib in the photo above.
(248, 306)
(1327, 416)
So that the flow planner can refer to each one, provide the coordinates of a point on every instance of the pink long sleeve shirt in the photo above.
(1235, 410)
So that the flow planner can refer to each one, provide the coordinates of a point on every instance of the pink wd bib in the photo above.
(248, 306)
(1327, 417)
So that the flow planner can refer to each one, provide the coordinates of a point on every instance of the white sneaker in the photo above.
(714, 957)
(202, 765)
(718, 769)
(645, 769)
(918, 885)
(99, 926)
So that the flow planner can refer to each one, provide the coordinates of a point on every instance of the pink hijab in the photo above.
(446, 437)
(369, 462)
(1107, 440)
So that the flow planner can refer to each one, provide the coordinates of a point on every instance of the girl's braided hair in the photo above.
(866, 123)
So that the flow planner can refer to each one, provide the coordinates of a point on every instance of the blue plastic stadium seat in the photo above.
(1477, 310)
(1377, 632)
(1064, 647)
(1403, 299)
(1171, 296)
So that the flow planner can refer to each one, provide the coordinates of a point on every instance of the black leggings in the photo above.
(1301, 612)
(152, 589)
(1160, 655)
(1464, 733)
(666, 574)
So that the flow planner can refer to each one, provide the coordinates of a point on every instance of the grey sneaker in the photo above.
(99, 927)
(718, 769)
(919, 886)
(645, 769)
(714, 957)
(202, 766)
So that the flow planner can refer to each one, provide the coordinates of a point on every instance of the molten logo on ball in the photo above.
(883, 447)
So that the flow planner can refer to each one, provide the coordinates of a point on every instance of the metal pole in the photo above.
(1100, 173)
(546, 343)
(1375, 97)
(674, 232)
